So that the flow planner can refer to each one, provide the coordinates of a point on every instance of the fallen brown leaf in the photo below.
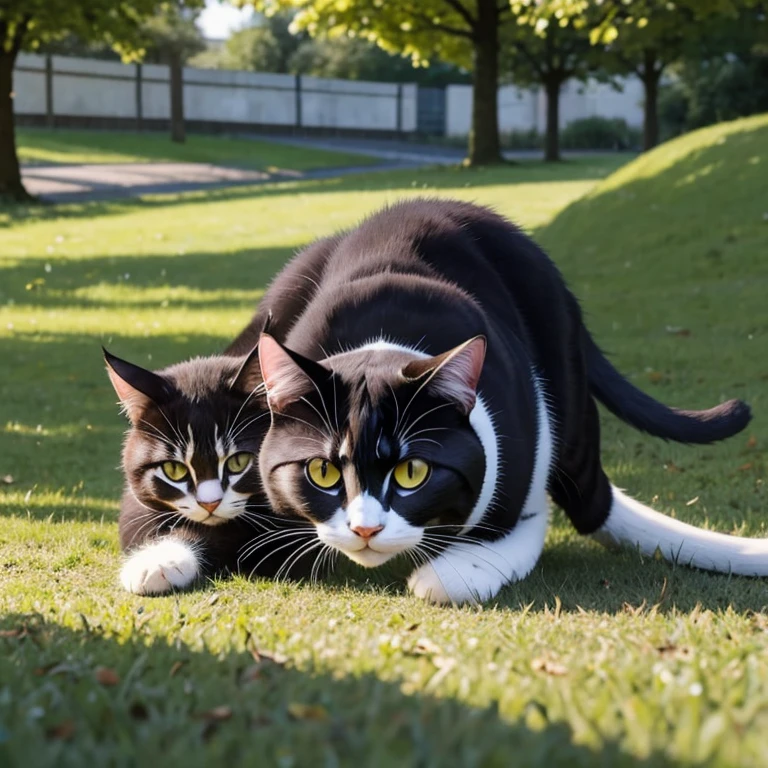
(18, 632)
(313, 712)
(746, 467)
(252, 673)
(177, 665)
(426, 647)
(752, 442)
(672, 651)
(64, 731)
(217, 714)
(548, 667)
(107, 676)
(675, 331)
(40, 671)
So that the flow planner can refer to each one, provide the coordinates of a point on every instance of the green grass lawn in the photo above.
(595, 659)
(38, 146)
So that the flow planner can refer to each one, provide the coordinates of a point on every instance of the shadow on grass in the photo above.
(579, 575)
(189, 280)
(205, 708)
(430, 178)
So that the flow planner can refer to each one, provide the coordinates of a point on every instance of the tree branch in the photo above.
(461, 10)
(532, 60)
(431, 24)
(18, 36)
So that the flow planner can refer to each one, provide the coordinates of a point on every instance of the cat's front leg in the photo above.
(161, 566)
(472, 572)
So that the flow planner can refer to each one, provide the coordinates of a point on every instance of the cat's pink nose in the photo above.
(367, 532)
(209, 506)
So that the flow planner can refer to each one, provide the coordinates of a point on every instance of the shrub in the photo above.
(599, 133)
(521, 139)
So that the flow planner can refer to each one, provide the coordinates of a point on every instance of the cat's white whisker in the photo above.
(295, 557)
(270, 538)
(273, 552)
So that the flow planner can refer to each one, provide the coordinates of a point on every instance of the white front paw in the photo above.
(449, 579)
(160, 567)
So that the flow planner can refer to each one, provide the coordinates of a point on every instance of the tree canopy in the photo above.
(27, 24)
(464, 33)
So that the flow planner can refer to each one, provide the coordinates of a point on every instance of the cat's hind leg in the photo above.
(161, 566)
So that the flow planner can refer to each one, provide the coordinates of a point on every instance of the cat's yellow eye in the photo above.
(237, 462)
(175, 470)
(412, 473)
(323, 474)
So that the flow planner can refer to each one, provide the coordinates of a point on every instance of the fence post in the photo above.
(297, 89)
(139, 99)
(399, 109)
(49, 117)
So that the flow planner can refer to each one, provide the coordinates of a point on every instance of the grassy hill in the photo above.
(594, 659)
(669, 256)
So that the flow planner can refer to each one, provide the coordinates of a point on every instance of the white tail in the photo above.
(630, 522)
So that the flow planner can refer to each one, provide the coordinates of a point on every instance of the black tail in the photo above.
(648, 415)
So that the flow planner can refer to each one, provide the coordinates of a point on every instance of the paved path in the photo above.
(399, 150)
(80, 183)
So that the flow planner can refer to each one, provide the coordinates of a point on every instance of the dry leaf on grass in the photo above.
(425, 647)
(549, 667)
(19, 632)
(64, 731)
(217, 714)
(107, 676)
(312, 712)
(177, 665)
(672, 651)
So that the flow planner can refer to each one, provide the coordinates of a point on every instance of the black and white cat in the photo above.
(437, 383)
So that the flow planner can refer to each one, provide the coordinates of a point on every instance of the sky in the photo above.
(219, 19)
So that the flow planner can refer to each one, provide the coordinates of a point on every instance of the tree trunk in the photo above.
(552, 87)
(484, 144)
(178, 132)
(11, 186)
(651, 77)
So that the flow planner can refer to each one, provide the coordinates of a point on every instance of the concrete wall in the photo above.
(84, 89)
(88, 88)
(525, 109)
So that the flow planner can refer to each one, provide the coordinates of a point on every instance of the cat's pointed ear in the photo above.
(136, 387)
(248, 378)
(453, 375)
(288, 376)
